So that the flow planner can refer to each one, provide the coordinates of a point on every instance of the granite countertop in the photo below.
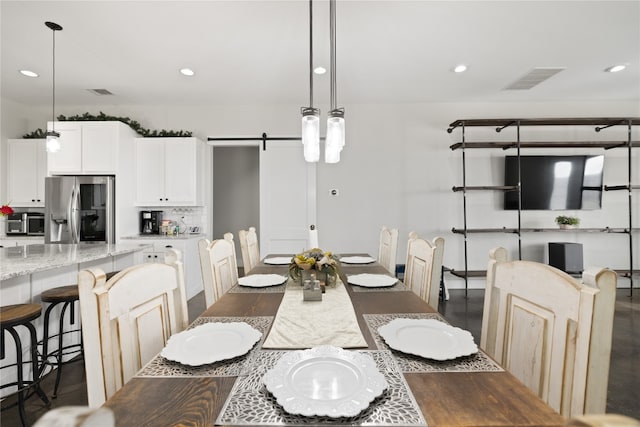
(22, 260)
(185, 236)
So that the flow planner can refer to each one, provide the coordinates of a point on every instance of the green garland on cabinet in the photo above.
(133, 124)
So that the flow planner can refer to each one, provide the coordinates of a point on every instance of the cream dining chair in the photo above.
(77, 416)
(602, 420)
(219, 267)
(388, 248)
(127, 320)
(249, 248)
(551, 331)
(423, 269)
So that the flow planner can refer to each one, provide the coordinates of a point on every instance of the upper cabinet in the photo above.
(86, 148)
(169, 171)
(26, 170)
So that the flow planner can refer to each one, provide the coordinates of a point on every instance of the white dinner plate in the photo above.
(278, 260)
(261, 280)
(325, 381)
(369, 280)
(211, 343)
(428, 338)
(357, 259)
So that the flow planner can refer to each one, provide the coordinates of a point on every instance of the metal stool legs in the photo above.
(60, 351)
(22, 384)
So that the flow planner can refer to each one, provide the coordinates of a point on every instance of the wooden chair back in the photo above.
(127, 320)
(551, 331)
(423, 269)
(388, 248)
(249, 248)
(220, 271)
(209, 287)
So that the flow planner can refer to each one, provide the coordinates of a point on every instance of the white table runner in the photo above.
(306, 324)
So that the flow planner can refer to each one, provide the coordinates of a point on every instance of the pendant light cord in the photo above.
(311, 53)
(53, 27)
(53, 112)
(332, 47)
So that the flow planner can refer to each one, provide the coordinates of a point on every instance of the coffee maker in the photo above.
(150, 222)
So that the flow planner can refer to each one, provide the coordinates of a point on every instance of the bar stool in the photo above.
(67, 296)
(12, 316)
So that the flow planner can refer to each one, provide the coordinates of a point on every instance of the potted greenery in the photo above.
(566, 222)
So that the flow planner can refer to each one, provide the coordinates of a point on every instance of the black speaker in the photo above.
(566, 256)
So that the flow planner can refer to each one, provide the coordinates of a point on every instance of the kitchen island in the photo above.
(28, 259)
(26, 271)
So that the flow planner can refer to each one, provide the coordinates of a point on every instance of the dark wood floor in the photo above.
(624, 378)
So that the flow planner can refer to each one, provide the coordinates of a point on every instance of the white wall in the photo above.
(397, 169)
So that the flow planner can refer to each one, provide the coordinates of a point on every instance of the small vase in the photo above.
(566, 226)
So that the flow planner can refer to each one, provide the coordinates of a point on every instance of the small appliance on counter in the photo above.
(25, 224)
(150, 222)
(17, 224)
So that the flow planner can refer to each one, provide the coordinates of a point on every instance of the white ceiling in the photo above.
(256, 52)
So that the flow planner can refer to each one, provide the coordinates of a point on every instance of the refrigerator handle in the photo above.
(76, 215)
(69, 221)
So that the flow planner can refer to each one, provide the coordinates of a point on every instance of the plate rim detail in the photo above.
(250, 337)
(369, 285)
(275, 381)
(466, 344)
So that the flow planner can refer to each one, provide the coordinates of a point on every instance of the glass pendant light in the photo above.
(53, 137)
(310, 115)
(335, 120)
(311, 134)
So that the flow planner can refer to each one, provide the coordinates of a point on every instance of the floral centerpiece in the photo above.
(315, 264)
(6, 210)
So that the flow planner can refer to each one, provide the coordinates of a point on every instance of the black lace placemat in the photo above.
(408, 363)
(161, 367)
(249, 402)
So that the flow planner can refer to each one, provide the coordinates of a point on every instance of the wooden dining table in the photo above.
(444, 398)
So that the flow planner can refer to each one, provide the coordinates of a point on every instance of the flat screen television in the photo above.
(555, 182)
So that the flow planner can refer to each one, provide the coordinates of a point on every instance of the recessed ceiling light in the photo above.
(615, 68)
(320, 70)
(460, 68)
(28, 73)
(187, 72)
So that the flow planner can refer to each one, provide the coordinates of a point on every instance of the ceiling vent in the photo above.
(533, 78)
(100, 92)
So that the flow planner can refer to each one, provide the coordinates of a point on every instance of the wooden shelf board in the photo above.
(470, 273)
(484, 230)
(576, 121)
(543, 230)
(543, 144)
(625, 273)
(483, 273)
(621, 187)
(486, 187)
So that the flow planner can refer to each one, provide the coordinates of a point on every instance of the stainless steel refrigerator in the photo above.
(80, 209)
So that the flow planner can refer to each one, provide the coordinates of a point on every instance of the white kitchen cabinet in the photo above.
(190, 258)
(86, 148)
(168, 171)
(26, 170)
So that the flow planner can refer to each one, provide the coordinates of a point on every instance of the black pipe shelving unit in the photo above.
(599, 124)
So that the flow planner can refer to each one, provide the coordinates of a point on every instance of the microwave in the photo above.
(25, 224)
(35, 224)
